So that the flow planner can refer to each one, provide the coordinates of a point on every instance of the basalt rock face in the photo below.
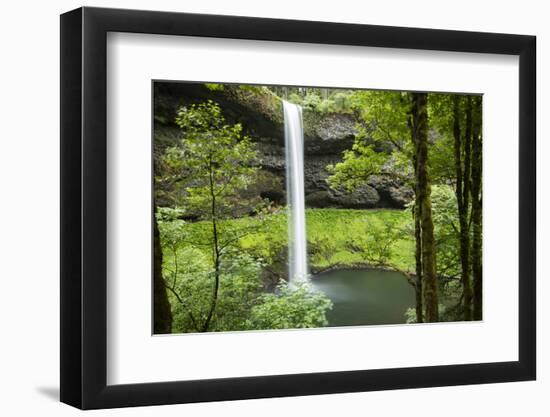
(325, 138)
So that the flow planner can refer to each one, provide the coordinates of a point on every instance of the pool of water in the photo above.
(365, 297)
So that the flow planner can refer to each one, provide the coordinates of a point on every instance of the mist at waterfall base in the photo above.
(359, 297)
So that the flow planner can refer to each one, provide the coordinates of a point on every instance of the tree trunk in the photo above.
(477, 211)
(417, 233)
(216, 261)
(462, 147)
(418, 261)
(162, 314)
(423, 200)
(215, 254)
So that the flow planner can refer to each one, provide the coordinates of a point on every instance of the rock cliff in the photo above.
(325, 138)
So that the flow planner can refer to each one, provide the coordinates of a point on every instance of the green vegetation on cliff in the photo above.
(336, 237)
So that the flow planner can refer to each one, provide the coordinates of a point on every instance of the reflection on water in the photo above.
(365, 297)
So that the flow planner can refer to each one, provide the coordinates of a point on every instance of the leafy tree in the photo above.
(214, 284)
(242, 305)
(446, 231)
(357, 166)
(457, 119)
(377, 240)
(381, 145)
(386, 119)
(186, 270)
(401, 120)
(189, 276)
(215, 163)
(476, 191)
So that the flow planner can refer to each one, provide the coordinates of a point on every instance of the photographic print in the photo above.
(287, 207)
(333, 206)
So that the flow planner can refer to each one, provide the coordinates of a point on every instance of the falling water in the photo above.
(294, 146)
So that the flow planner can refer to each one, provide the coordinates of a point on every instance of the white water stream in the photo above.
(294, 149)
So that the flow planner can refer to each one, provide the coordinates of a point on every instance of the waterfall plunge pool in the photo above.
(365, 296)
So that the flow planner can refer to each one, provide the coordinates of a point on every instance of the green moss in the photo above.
(335, 229)
(257, 99)
(214, 87)
(330, 234)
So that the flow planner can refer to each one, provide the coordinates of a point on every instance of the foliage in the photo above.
(241, 304)
(410, 315)
(357, 165)
(441, 164)
(382, 145)
(440, 114)
(291, 307)
(214, 160)
(215, 87)
(329, 234)
(189, 272)
(311, 102)
(445, 219)
(320, 247)
(332, 233)
(215, 163)
(386, 117)
(376, 240)
(384, 129)
(239, 287)
(311, 99)
(169, 213)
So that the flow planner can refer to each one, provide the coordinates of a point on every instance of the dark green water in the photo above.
(365, 297)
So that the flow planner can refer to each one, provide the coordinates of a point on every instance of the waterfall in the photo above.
(294, 150)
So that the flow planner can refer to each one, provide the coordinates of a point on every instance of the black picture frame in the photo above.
(84, 207)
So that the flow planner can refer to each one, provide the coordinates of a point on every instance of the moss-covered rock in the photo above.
(326, 136)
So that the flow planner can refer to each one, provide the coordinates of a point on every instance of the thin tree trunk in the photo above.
(462, 146)
(423, 199)
(466, 207)
(477, 212)
(215, 256)
(418, 261)
(162, 314)
(417, 233)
